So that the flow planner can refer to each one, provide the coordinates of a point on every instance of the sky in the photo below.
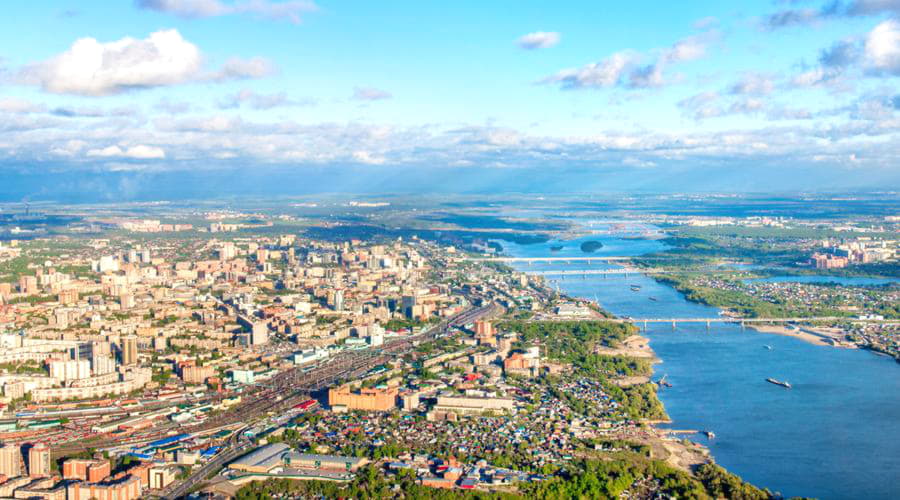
(124, 99)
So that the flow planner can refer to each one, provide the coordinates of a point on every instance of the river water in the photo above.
(835, 435)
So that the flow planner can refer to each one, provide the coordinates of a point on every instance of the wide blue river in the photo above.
(835, 435)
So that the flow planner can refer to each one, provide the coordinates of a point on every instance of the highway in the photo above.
(232, 450)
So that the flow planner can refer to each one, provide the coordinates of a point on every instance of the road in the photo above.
(231, 450)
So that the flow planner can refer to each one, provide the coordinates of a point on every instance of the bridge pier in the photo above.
(645, 325)
(707, 326)
(673, 326)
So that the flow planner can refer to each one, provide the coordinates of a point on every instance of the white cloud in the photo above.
(688, 49)
(138, 152)
(70, 148)
(217, 123)
(882, 48)
(172, 107)
(368, 158)
(538, 40)
(262, 101)
(624, 69)
(753, 84)
(290, 11)
(237, 68)
(94, 68)
(16, 105)
(830, 10)
(606, 73)
(370, 94)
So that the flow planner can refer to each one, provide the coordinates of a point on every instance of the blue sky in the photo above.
(651, 88)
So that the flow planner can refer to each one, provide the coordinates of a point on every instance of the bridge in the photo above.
(531, 260)
(626, 271)
(744, 321)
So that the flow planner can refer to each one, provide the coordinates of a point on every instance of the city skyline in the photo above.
(700, 96)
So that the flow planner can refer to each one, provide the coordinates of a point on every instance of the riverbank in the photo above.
(667, 446)
(764, 433)
(797, 333)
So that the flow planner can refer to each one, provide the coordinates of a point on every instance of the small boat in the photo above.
(767, 346)
(635, 288)
(710, 434)
(786, 385)
(556, 248)
(654, 299)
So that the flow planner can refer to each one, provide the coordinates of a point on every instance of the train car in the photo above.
(169, 440)
(306, 405)
(45, 424)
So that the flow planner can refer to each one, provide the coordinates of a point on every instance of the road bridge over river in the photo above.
(626, 271)
(531, 260)
(745, 321)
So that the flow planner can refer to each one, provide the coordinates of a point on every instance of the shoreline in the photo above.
(677, 451)
(805, 336)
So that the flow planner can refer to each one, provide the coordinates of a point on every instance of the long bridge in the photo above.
(626, 271)
(744, 321)
(531, 260)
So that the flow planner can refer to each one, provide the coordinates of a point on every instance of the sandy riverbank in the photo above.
(831, 337)
(635, 346)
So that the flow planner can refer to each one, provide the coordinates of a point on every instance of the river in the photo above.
(835, 435)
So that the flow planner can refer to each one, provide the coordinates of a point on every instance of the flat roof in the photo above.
(323, 458)
(267, 456)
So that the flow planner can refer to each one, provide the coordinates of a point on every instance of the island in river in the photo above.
(591, 246)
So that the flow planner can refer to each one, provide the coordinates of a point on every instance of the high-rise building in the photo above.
(484, 329)
(103, 364)
(259, 334)
(89, 470)
(68, 296)
(227, 252)
(376, 335)
(126, 300)
(65, 370)
(107, 263)
(10, 460)
(39, 460)
(28, 285)
(409, 302)
(129, 350)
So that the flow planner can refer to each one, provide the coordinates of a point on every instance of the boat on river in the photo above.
(786, 385)
(635, 288)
